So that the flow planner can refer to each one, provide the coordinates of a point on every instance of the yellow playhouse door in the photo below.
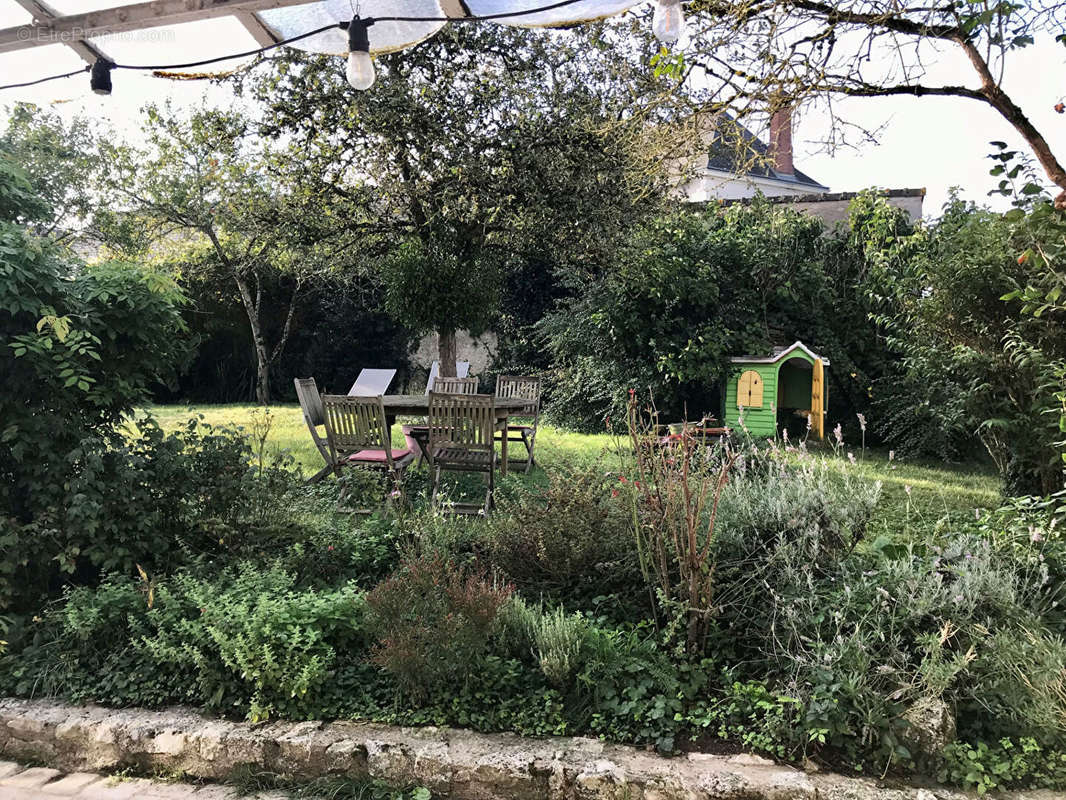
(817, 399)
(749, 390)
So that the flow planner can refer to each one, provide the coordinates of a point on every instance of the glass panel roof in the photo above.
(294, 20)
(582, 11)
(384, 36)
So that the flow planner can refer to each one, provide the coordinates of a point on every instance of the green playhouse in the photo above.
(763, 391)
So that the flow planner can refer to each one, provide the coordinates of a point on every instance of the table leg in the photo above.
(503, 449)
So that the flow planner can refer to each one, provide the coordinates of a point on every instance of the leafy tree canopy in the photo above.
(474, 146)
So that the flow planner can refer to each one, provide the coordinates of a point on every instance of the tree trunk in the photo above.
(262, 360)
(446, 354)
(287, 327)
(251, 308)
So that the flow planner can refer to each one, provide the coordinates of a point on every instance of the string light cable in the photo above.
(360, 70)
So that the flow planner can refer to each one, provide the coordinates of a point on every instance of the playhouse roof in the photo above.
(779, 354)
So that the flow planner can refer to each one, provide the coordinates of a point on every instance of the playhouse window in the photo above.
(749, 390)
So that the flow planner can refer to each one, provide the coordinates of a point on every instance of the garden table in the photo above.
(703, 435)
(417, 405)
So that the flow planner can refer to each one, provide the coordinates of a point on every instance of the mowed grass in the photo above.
(945, 495)
(288, 432)
(922, 495)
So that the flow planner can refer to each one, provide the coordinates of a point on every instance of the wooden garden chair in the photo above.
(515, 386)
(462, 369)
(419, 434)
(455, 385)
(358, 435)
(461, 439)
(314, 416)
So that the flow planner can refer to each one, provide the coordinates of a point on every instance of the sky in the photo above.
(930, 143)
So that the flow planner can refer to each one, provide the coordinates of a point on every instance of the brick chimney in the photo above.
(781, 142)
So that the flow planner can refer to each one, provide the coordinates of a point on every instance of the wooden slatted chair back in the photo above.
(310, 401)
(356, 423)
(521, 388)
(311, 406)
(455, 385)
(462, 420)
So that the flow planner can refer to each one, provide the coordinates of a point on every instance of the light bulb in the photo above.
(668, 21)
(360, 70)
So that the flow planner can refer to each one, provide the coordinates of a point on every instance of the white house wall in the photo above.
(714, 185)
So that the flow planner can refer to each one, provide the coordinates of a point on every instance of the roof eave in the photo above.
(782, 356)
(813, 186)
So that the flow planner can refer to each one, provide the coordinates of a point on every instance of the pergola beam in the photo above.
(260, 32)
(42, 12)
(79, 27)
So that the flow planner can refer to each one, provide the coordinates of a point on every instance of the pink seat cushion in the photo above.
(378, 455)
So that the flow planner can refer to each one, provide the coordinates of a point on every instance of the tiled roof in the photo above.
(750, 153)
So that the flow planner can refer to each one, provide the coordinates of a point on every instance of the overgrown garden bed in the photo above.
(821, 642)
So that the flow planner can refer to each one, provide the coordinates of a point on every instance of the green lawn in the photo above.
(939, 493)
(288, 432)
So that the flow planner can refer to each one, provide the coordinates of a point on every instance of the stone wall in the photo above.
(836, 210)
(832, 207)
(451, 763)
(480, 351)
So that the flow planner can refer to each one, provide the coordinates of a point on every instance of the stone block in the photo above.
(303, 747)
(8, 768)
(346, 756)
(388, 761)
(602, 779)
(72, 784)
(30, 751)
(26, 728)
(211, 740)
(215, 791)
(115, 789)
(32, 778)
(167, 743)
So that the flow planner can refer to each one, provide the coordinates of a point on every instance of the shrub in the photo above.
(153, 499)
(79, 348)
(247, 639)
(569, 540)
(971, 356)
(1007, 763)
(687, 292)
(857, 644)
(633, 691)
(618, 680)
(674, 495)
(748, 713)
(280, 642)
(781, 509)
(557, 640)
(433, 623)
